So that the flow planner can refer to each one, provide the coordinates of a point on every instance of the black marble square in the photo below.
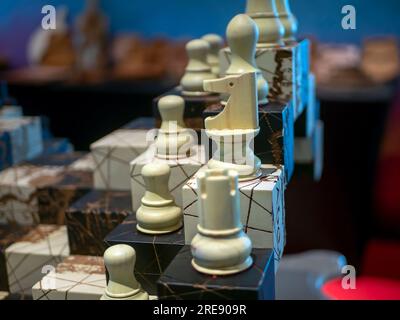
(54, 198)
(194, 107)
(92, 217)
(275, 142)
(182, 282)
(154, 253)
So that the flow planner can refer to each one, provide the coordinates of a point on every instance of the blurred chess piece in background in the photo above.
(381, 59)
(92, 42)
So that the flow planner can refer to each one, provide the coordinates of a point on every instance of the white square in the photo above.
(262, 209)
(27, 259)
(112, 155)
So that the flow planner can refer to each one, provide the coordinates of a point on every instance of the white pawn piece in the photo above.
(234, 128)
(242, 34)
(220, 247)
(288, 20)
(216, 42)
(265, 14)
(158, 213)
(174, 141)
(197, 69)
(120, 263)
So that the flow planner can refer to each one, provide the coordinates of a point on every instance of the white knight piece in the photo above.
(235, 127)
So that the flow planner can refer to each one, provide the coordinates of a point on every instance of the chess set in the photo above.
(188, 204)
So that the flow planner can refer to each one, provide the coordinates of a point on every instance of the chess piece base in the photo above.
(224, 271)
(246, 173)
(135, 295)
(195, 93)
(159, 220)
(161, 231)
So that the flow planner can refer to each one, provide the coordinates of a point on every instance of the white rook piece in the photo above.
(158, 213)
(220, 247)
(216, 42)
(288, 20)
(120, 262)
(174, 140)
(242, 34)
(197, 69)
(265, 14)
(236, 126)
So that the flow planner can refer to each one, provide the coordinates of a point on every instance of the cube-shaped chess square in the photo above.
(92, 217)
(309, 152)
(153, 252)
(10, 112)
(8, 235)
(181, 171)
(75, 278)
(31, 256)
(19, 192)
(306, 122)
(182, 282)
(40, 191)
(21, 139)
(112, 155)
(262, 208)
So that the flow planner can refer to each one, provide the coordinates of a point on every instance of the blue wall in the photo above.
(193, 18)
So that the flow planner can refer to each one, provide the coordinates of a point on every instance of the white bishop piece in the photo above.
(220, 247)
(197, 69)
(234, 128)
(120, 262)
(288, 20)
(216, 42)
(158, 213)
(174, 141)
(265, 14)
(242, 34)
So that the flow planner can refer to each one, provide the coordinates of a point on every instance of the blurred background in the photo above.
(357, 199)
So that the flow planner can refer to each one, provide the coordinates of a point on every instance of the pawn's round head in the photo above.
(171, 102)
(119, 258)
(197, 49)
(155, 169)
(242, 33)
(171, 110)
(214, 40)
